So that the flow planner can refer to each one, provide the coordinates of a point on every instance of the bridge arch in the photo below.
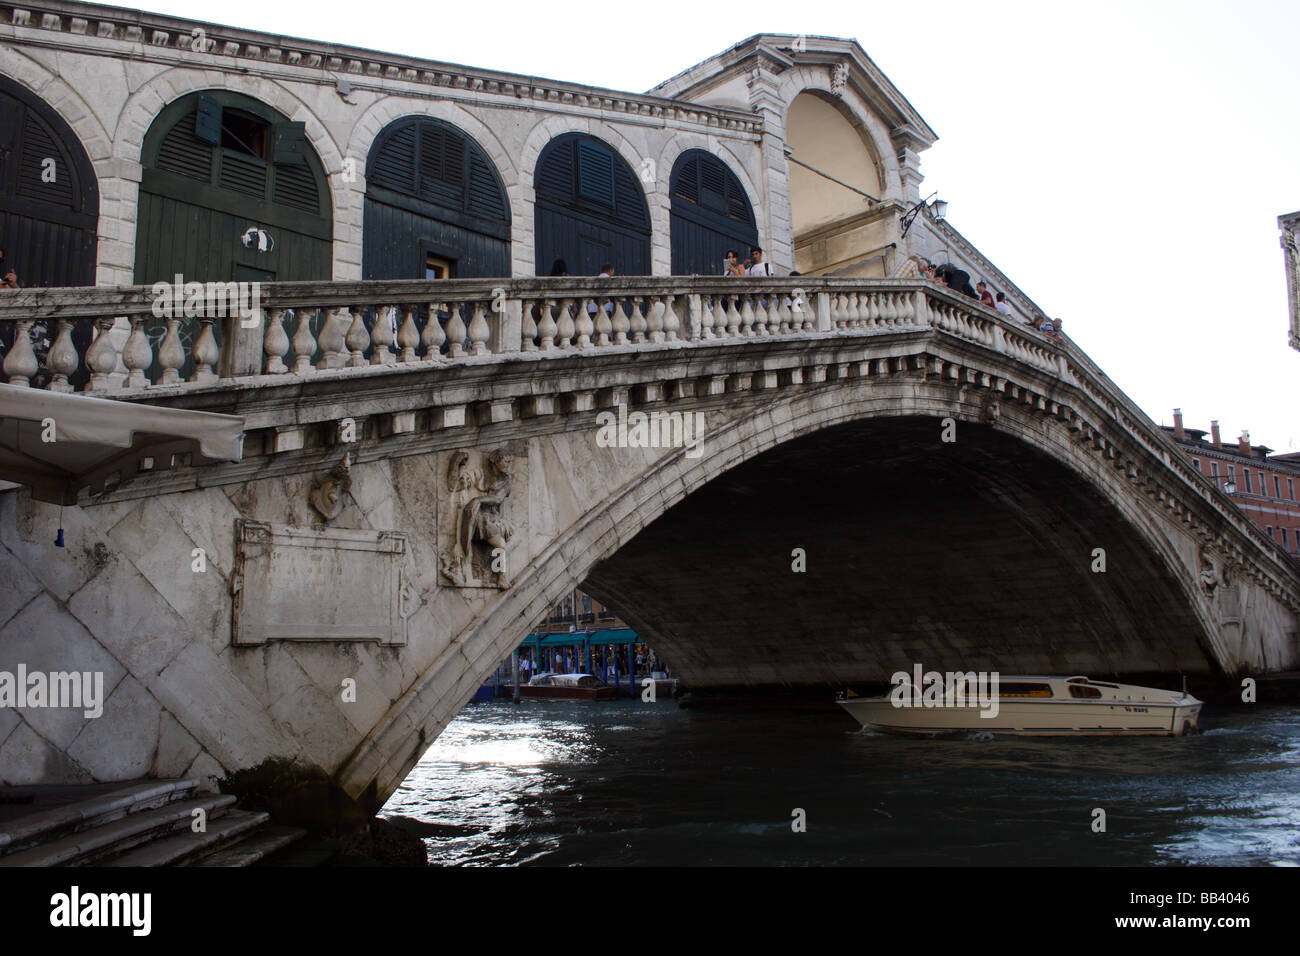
(1132, 534)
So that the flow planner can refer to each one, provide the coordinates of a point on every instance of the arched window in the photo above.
(49, 213)
(590, 209)
(230, 191)
(710, 214)
(49, 200)
(435, 205)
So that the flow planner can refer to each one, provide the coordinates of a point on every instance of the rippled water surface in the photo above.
(626, 783)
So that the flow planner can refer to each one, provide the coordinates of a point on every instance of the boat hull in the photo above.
(1035, 718)
(550, 692)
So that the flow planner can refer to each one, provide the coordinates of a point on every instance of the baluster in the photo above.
(433, 336)
(304, 343)
(852, 311)
(747, 317)
(733, 318)
(672, 324)
(101, 357)
(564, 325)
(456, 332)
(62, 359)
(621, 322)
(636, 322)
(547, 328)
(20, 364)
(584, 322)
(357, 340)
(205, 353)
(702, 316)
(760, 316)
(275, 345)
(382, 336)
(331, 338)
(887, 310)
(904, 305)
(408, 336)
(654, 320)
(604, 325)
(530, 327)
(137, 356)
(789, 323)
(479, 331)
(871, 311)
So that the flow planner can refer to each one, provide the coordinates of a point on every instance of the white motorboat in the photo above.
(1041, 706)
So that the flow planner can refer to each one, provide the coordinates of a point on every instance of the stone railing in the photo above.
(128, 338)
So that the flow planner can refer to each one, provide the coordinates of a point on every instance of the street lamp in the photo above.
(1230, 486)
(939, 208)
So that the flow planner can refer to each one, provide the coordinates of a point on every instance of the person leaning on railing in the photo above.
(9, 279)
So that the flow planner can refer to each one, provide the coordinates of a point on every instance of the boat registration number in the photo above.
(1135, 710)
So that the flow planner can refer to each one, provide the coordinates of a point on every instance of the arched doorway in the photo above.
(49, 199)
(833, 169)
(590, 209)
(49, 211)
(435, 206)
(215, 165)
(710, 214)
(230, 191)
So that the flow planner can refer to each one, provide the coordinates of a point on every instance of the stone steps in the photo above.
(254, 848)
(106, 840)
(54, 822)
(227, 829)
(139, 824)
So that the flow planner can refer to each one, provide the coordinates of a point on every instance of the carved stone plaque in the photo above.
(314, 584)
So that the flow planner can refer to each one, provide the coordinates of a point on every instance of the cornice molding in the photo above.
(140, 35)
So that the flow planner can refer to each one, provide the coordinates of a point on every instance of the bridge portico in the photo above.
(411, 503)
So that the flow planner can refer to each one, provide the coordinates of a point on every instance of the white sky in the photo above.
(1124, 164)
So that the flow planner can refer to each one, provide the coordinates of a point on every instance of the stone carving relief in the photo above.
(329, 490)
(839, 78)
(1216, 570)
(478, 519)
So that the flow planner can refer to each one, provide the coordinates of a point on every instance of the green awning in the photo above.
(581, 638)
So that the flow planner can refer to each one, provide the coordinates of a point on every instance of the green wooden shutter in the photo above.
(207, 123)
(288, 142)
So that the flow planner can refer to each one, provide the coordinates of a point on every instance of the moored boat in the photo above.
(1032, 706)
(567, 687)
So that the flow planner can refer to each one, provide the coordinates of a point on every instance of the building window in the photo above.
(1290, 488)
(1214, 469)
(1285, 546)
(1269, 529)
(1196, 463)
(1245, 473)
(1263, 484)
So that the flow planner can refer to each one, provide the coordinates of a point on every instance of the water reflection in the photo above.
(627, 783)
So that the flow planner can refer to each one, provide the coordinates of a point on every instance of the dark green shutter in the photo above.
(595, 173)
(287, 143)
(207, 123)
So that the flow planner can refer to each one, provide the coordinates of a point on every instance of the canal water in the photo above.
(623, 782)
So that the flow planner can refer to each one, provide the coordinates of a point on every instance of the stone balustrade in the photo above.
(138, 341)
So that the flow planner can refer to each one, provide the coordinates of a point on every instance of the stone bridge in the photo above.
(777, 483)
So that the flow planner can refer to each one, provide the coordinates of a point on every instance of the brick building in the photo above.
(1262, 485)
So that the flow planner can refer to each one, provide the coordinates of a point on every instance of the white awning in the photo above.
(97, 440)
